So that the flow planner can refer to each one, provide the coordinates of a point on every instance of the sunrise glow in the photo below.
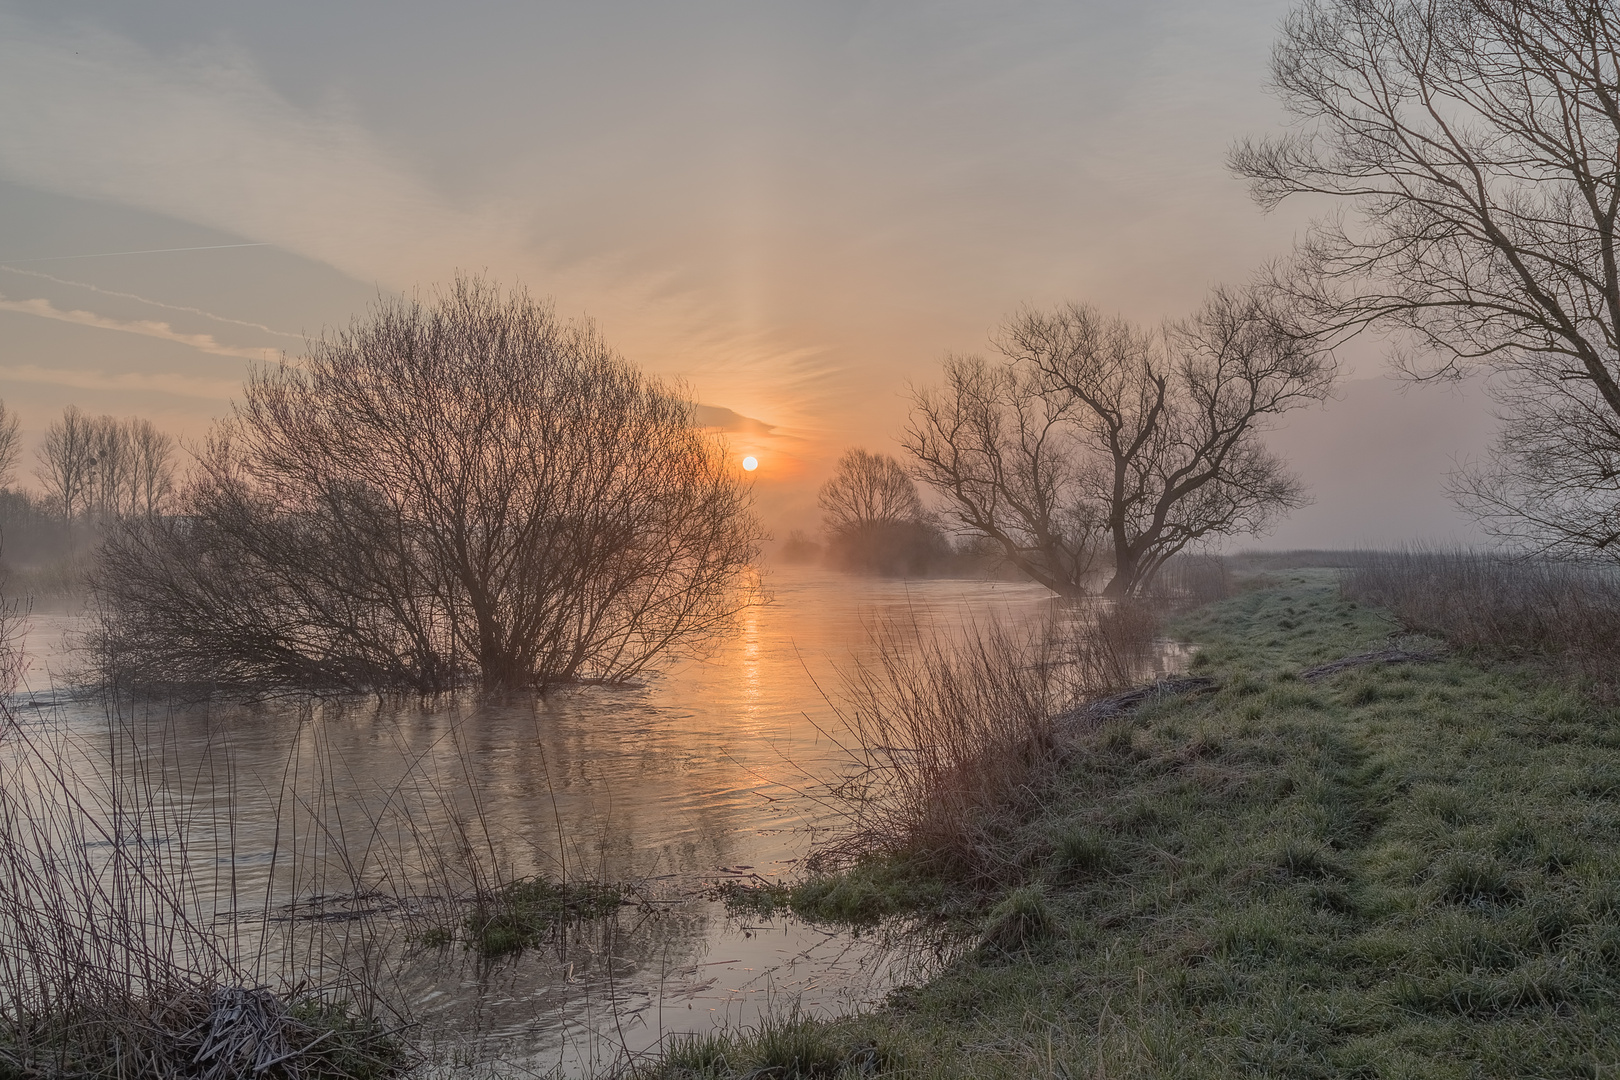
(750, 463)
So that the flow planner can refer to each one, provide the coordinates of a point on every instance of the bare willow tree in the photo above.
(1476, 146)
(1097, 442)
(468, 486)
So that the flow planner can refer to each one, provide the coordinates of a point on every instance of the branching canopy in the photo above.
(1475, 145)
(1098, 440)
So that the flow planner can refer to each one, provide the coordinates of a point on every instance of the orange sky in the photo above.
(793, 208)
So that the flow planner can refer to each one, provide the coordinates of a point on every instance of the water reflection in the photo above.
(709, 768)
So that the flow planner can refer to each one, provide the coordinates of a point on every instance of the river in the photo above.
(712, 770)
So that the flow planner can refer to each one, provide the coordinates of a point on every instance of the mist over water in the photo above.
(714, 769)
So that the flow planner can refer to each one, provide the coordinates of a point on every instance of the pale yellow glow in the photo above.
(750, 463)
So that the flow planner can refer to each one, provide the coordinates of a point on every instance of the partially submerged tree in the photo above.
(464, 487)
(1098, 443)
(1476, 146)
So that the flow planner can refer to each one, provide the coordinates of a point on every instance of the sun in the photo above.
(750, 463)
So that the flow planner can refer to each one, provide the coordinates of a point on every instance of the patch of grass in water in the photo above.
(523, 914)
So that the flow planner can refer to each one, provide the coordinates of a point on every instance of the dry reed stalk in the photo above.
(1562, 613)
(954, 740)
(129, 945)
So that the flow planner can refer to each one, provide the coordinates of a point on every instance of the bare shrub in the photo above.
(468, 488)
(1565, 614)
(955, 741)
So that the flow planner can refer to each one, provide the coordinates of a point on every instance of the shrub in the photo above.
(1561, 613)
(468, 488)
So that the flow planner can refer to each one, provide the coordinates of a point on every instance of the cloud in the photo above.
(202, 138)
(44, 309)
(160, 382)
(724, 419)
(150, 302)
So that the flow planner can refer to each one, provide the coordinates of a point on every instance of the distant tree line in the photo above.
(101, 466)
(92, 471)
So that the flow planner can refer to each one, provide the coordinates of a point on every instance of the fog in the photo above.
(794, 211)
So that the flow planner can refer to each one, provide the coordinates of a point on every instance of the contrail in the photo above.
(154, 303)
(147, 251)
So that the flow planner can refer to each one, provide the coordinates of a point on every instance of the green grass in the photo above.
(861, 896)
(1400, 871)
(525, 913)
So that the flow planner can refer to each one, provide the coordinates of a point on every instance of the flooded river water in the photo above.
(710, 771)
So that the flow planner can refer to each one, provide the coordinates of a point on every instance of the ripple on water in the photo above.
(708, 765)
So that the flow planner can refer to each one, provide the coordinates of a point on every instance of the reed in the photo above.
(121, 955)
(1560, 614)
(142, 933)
(952, 741)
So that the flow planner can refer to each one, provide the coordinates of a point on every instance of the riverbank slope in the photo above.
(1390, 870)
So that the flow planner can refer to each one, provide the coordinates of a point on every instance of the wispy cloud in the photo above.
(44, 309)
(161, 382)
(152, 303)
(203, 138)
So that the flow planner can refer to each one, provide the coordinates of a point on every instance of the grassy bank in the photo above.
(1394, 870)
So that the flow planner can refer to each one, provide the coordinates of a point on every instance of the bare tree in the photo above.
(109, 476)
(874, 518)
(464, 486)
(1097, 439)
(67, 460)
(998, 447)
(10, 445)
(151, 468)
(868, 489)
(1476, 144)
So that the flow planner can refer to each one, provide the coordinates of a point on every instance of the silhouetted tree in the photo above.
(874, 519)
(463, 487)
(10, 445)
(1096, 441)
(67, 459)
(1476, 146)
